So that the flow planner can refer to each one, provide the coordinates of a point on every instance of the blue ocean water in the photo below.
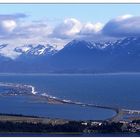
(116, 90)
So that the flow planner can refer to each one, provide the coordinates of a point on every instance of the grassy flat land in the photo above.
(30, 119)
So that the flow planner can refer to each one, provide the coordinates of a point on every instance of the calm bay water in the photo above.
(117, 90)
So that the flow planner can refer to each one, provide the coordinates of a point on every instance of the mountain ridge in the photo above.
(78, 56)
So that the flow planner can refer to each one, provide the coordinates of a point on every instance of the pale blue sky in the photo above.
(83, 12)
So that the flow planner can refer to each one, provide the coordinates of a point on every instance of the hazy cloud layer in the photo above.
(16, 28)
(13, 16)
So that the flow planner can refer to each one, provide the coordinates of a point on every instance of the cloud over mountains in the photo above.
(123, 26)
(67, 29)
(16, 27)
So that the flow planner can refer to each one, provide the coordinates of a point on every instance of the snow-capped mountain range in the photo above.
(28, 49)
(36, 49)
(78, 56)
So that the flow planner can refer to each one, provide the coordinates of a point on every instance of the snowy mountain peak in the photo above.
(90, 44)
(36, 49)
(81, 43)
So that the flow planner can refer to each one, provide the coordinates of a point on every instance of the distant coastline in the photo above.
(98, 74)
